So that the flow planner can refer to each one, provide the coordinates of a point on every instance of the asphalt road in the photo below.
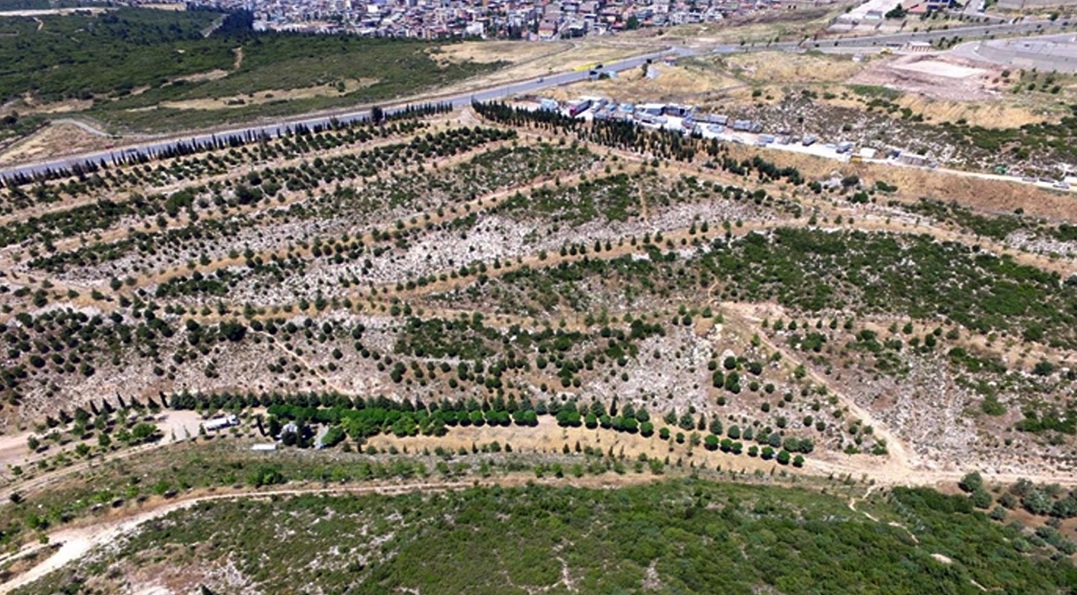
(1047, 53)
(153, 147)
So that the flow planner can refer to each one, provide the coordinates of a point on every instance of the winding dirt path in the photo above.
(72, 543)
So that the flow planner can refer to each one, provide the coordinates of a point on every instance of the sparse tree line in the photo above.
(188, 148)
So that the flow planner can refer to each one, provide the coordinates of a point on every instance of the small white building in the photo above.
(221, 423)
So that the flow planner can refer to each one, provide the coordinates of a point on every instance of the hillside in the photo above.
(674, 536)
(490, 294)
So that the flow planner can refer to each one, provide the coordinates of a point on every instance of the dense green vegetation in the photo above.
(385, 68)
(917, 276)
(875, 91)
(13, 5)
(686, 536)
(13, 127)
(141, 47)
(663, 144)
(151, 52)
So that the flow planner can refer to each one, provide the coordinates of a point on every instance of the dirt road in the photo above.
(173, 425)
(71, 544)
(76, 542)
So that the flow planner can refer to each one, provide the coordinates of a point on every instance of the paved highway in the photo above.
(1047, 53)
(153, 147)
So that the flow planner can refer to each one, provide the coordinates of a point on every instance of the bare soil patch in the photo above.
(57, 139)
(938, 77)
(198, 77)
(177, 7)
(28, 105)
(941, 68)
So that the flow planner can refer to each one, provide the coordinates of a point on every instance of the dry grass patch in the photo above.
(779, 67)
(989, 114)
(585, 55)
(57, 139)
(549, 438)
(175, 7)
(262, 97)
(993, 196)
(745, 95)
(487, 52)
(28, 105)
(671, 83)
(982, 113)
(199, 77)
(548, 59)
